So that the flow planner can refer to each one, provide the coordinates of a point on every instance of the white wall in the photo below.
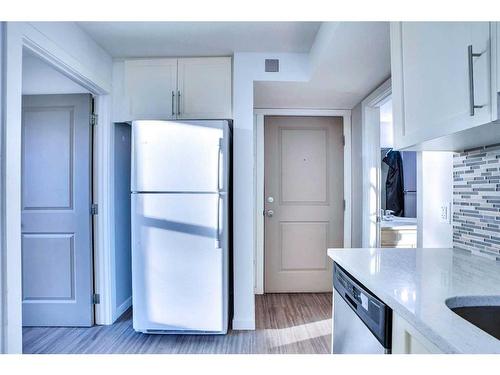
(356, 177)
(247, 68)
(122, 253)
(2, 179)
(434, 189)
(65, 44)
(72, 45)
(40, 78)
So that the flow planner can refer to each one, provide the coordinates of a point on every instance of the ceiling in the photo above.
(147, 39)
(355, 57)
(356, 62)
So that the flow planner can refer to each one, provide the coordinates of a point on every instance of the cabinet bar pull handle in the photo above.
(178, 102)
(173, 99)
(471, 55)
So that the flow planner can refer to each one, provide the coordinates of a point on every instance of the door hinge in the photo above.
(93, 115)
(93, 119)
(343, 203)
(94, 209)
(96, 298)
(343, 140)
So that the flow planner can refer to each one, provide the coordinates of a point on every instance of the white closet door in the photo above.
(56, 222)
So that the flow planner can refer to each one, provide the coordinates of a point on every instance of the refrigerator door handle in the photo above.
(219, 159)
(218, 241)
(219, 192)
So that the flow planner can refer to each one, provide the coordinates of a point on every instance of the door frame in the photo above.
(371, 163)
(17, 36)
(259, 115)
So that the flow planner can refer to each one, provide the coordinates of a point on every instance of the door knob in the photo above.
(269, 213)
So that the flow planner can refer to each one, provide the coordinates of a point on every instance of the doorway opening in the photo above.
(303, 200)
(57, 199)
(398, 187)
(389, 208)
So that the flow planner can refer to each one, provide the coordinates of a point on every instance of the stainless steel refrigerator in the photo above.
(180, 216)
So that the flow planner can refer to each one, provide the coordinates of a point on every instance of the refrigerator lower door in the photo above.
(179, 266)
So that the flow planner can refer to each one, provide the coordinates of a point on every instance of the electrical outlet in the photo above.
(444, 213)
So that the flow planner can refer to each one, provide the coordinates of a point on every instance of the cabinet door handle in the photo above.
(470, 56)
(178, 102)
(173, 99)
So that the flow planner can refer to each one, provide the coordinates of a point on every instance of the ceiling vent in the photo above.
(272, 65)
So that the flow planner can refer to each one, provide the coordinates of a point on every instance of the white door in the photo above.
(151, 87)
(179, 268)
(56, 221)
(304, 177)
(204, 86)
(434, 78)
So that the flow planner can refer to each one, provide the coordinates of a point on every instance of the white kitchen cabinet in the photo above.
(172, 88)
(407, 340)
(151, 88)
(204, 87)
(436, 82)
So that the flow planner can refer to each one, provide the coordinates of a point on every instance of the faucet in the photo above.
(388, 215)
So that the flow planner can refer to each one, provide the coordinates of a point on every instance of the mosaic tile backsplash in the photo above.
(476, 201)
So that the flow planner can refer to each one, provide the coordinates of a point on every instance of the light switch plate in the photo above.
(444, 213)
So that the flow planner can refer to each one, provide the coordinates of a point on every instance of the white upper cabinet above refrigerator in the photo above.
(151, 87)
(444, 83)
(172, 88)
(204, 88)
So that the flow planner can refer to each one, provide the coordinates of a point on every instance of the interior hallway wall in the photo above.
(247, 68)
(434, 189)
(2, 253)
(40, 78)
(123, 245)
(356, 177)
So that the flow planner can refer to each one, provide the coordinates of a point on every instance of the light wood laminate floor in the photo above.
(285, 323)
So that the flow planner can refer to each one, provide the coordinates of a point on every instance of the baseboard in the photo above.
(243, 325)
(122, 308)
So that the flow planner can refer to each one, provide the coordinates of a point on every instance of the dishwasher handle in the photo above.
(351, 302)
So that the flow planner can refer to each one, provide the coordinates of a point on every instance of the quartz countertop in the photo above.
(415, 283)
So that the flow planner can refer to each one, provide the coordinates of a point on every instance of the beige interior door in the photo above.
(304, 201)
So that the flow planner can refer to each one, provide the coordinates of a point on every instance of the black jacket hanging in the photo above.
(394, 185)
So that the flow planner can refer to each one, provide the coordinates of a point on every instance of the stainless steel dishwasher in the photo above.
(362, 323)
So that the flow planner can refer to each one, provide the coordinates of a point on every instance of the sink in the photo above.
(483, 312)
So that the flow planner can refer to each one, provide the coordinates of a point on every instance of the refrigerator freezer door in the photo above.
(179, 274)
(170, 156)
